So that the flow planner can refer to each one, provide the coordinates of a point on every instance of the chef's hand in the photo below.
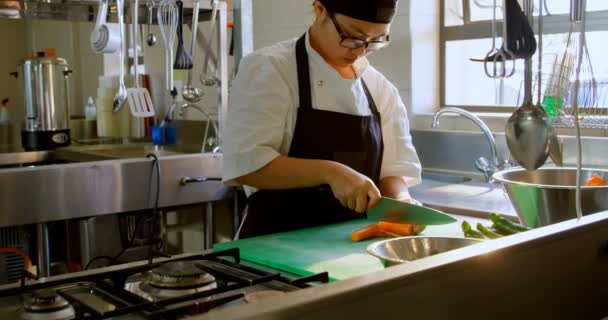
(352, 189)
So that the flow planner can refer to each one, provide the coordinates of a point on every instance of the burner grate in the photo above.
(233, 283)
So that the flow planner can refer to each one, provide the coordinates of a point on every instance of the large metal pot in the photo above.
(46, 95)
(547, 195)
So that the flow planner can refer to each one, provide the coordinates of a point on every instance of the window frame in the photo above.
(471, 30)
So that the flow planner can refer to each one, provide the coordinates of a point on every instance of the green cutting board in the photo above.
(309, 251)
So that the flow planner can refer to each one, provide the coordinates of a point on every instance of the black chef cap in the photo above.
(378, 11)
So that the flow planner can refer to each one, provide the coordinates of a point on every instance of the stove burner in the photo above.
(179, 275)
(46, 304)
(172, 279)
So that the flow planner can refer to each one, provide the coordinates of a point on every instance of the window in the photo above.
(466, 33)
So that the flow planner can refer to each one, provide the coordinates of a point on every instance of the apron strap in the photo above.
(303, 74)
(304, 79)
(370, 99)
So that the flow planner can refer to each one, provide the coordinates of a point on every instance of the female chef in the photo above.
(313, 132)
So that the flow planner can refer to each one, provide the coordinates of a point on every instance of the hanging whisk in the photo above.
(578, 98)
(582, 87)
(183, 58)
(167, 20)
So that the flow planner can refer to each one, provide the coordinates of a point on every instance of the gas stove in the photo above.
(174, 288)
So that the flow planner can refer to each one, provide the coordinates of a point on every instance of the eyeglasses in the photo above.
(354, 43)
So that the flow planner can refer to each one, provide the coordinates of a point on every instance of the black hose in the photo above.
(113, 260)
(155, 164)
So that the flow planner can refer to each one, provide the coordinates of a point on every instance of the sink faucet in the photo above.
(482, 163)
(213, 142)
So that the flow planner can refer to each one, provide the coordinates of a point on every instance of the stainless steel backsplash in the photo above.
(458, 150)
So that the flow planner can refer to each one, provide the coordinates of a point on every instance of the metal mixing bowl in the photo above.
(547, 195)
(403, 249)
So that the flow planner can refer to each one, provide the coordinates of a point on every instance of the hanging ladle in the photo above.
(189, 92)
(528, 130)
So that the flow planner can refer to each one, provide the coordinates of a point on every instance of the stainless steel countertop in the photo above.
(472, 198)
(443, 278)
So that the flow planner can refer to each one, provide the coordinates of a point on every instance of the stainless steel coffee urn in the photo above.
(44, 82)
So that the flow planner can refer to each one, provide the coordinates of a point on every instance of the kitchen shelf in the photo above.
(86, 10)
(586, 122)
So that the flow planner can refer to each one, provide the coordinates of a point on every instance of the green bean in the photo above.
(512, 225)
(504, 227)
(469, 232)
(487, 232)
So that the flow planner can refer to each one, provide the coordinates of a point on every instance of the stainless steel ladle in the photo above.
(528, 130)
(189, 92)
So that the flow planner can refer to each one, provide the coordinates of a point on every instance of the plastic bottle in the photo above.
(90, 110)
(4, 113)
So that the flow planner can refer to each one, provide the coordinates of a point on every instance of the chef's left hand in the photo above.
(410, 200)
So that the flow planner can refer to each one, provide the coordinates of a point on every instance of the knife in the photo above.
(388, 209)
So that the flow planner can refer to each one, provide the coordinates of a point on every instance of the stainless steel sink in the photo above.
(108, 151)
(446, 178)
(88, 153)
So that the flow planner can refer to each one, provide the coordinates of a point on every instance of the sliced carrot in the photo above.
(367, 232)
(386, 234)
(595, 181)
(402, 229)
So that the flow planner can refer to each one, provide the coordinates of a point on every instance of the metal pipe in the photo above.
(236, 217)
(528, 11)
(44, 258)
(209, 226)
(243, 29)
(577, 7)
(87, 236)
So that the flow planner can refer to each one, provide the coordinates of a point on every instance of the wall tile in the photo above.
(395, 61)
(411, 68)
(278, 14)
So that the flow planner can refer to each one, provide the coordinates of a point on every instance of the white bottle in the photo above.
(4, 118)
(90, 110)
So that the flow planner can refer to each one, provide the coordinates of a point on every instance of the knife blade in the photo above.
(388, 209)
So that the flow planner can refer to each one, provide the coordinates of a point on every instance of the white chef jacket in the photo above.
(262, 110)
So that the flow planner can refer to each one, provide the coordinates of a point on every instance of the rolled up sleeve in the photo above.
(400, 157)
(255, 121)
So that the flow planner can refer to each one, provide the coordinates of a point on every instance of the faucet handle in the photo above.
(505, 164)
(482, 164)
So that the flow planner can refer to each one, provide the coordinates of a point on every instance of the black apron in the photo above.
(355, 141)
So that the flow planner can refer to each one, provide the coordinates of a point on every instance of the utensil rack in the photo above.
(86, 10)
(586, 122)
(591, 116)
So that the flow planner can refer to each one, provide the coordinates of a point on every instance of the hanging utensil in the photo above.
(521, 41)
(167, 20)
(498, 57)
(555, 151)
(583, 86)
(140, 101)
(528, 130)
(151, 39)
(103, 39)
(205, 78)
(183, 60)
(121, 95)
(518, 41)
(190, 93)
